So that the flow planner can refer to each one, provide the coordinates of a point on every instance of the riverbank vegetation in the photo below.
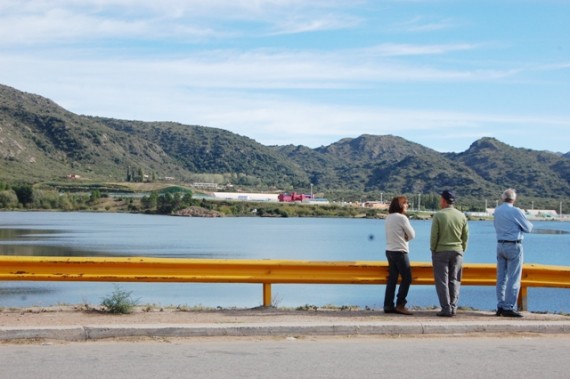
(179, 200)
(165, 200)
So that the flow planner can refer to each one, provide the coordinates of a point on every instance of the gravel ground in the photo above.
(81, 315)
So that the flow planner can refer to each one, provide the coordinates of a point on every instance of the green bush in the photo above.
(8, 199)
(120, 302)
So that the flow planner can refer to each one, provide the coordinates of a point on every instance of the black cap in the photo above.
(449, 196)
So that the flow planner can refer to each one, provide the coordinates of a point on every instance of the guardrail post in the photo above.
(266, 295)
(522, 301)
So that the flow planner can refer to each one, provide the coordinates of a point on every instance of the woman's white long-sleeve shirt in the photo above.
(398, 232)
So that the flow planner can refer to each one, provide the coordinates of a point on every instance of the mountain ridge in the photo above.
(40, 140)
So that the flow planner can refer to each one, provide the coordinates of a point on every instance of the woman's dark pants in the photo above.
(398, 265)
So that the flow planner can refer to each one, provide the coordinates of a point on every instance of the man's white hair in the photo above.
(509, 195)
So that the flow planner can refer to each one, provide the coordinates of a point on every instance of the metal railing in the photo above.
(265, 272)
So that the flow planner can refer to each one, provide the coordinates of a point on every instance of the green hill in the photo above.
(41, 141)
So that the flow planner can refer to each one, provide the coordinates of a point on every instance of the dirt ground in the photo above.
(80, 315)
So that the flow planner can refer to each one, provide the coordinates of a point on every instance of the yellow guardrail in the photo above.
(266, 272)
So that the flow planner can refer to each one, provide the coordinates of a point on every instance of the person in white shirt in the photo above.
(399, 232)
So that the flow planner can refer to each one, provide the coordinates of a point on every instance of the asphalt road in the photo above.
(504, 356)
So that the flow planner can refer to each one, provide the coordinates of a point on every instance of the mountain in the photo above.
(199, 149)
(385, 163)
(540, 173)
(41, 141)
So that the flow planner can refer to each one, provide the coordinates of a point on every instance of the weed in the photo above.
(307, 307)
(120, 302)
(275, 301)
(148, 308)
(198, 307)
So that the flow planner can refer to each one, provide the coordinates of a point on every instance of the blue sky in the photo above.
(439, 73)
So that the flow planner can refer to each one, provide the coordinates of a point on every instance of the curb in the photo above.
(100, 332)
(69, 333)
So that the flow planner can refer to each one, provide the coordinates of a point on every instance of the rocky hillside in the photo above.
(41, 141)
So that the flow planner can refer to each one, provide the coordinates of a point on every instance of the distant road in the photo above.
(462, 357)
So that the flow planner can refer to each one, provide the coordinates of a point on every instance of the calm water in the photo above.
(93, 234)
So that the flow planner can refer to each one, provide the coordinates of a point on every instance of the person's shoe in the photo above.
(389, 310)
(401, 309)
(444, 314)
(511, 313)
(499, 311)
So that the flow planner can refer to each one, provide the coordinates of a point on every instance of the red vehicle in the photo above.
(292, 197)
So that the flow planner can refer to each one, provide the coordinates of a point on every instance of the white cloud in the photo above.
(314, 24)
(392, 49)
(226, 69)
(161, 92)
(282, 121)
(61, 27)
(80, 55)
(421, 24)
(57, 22)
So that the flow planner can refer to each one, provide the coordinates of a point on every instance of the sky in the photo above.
(441, 73)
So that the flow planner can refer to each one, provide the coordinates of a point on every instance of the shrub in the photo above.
(120, 302)
(8, 199)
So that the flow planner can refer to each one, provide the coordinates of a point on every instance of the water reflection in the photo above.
(23, 292)
(32, 234)
(21, 242)
(47, 251)
(549, 231)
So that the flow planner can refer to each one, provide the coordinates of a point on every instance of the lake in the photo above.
(321, 239)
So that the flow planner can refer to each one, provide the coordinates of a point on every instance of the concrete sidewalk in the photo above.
(73, 324)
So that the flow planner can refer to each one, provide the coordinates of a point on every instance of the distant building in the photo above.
(541, 213)
(318, 201)
(293, 197)
(206, 185)
(533, 213)
(375, 205)
(242, 196)
(478, 214)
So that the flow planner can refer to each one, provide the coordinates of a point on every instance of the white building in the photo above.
(536, 214)
(242, 196)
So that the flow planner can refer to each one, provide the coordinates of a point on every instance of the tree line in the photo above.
(24, 196)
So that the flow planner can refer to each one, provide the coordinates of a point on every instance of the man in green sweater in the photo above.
(448, 242)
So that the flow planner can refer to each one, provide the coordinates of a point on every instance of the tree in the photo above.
(165, 204)
(187, 199)
(152, 201)
(95, 195)
(25, 194)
